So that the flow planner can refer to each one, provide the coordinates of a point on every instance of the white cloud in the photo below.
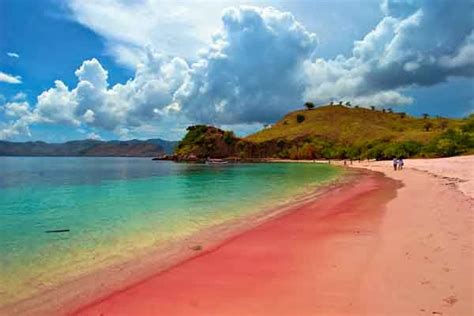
(252, 69)
(411, 46)
(19, 96)
(17, 109)
(94, 136)
(4, 77)
(13, 55)
(259, 64)
(463, 57)
(175, 27)
(57, 105)
(23, 118)
(93, 72)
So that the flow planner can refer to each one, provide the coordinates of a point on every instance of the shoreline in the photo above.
(219, 281)
(399, 245)
(396, 250)
(73, 293)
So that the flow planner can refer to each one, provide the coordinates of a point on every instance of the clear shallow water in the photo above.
(116, 208)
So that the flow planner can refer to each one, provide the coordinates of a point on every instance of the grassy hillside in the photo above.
(337, 132)
(354, 125)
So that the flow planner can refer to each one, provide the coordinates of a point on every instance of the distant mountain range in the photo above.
(114, 148)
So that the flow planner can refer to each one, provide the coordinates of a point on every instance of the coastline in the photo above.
(380, 243)
(72, 294)
(276, 268)
(396, 250)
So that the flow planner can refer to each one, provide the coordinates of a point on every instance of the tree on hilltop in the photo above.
(309, 105)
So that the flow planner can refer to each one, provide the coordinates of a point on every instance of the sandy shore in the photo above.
(399, 244)
(90, 287)
(375, 248)
(306, 262)
(425, 262)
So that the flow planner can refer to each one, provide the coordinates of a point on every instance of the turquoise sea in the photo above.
(116, 208)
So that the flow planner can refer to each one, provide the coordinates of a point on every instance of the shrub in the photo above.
(427, 126)
(446, 147)
(229, 137)
(307, 151)
(300, 118)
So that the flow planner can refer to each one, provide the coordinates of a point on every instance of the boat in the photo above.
(215, 161)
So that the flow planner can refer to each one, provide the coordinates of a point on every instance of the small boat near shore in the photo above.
(211, 161)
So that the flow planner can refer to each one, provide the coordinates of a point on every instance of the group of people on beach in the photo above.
(397, 163)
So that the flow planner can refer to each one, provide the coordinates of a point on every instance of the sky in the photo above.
(116, 69)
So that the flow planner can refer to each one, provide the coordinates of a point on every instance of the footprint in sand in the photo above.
(445, 269)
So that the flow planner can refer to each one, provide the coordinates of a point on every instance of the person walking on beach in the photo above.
(395, 163)
(400, 163)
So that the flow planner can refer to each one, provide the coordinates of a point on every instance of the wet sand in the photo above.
(310, 261)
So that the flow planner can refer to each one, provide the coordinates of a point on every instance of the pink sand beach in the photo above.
(387, 243)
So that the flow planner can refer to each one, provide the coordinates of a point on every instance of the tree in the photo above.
(443, 124)
(372, 108)
(340, 102)
(309, 105)
(427, 126)
(307, 151)
(390, 110)
(300, 118)
(229, 137)
(446, 147)
(348, 103)
(402, 114)
(331, 103)
(356, 106)
(425, 115)
(383, 110)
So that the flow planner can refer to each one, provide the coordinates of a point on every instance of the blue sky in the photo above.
(141, 69)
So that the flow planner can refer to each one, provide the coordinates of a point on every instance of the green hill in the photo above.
(338, 132)
(354, 125)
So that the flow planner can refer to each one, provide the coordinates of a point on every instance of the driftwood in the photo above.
(57, 231)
